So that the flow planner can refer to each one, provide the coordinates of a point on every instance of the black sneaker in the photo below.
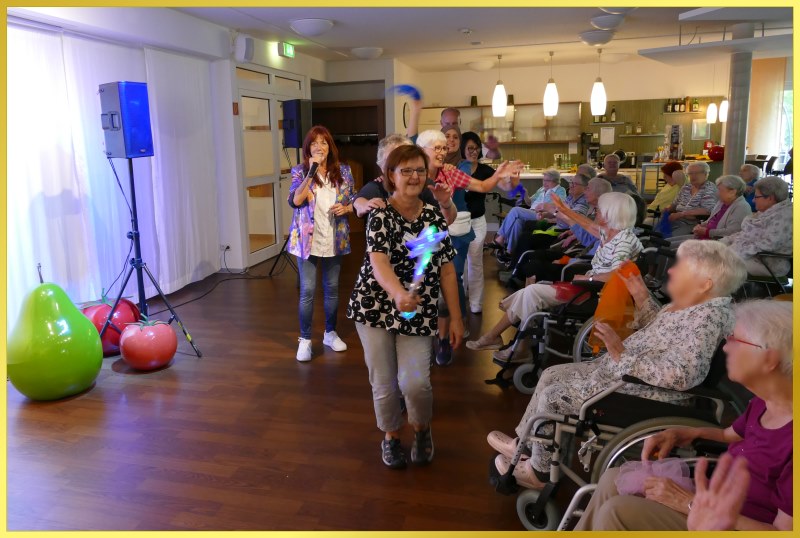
(422, 449)
(392, 454)
(444, 356)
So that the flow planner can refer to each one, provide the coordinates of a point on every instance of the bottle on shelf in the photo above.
(682, 105)
(688, 103)
(695, 105)
(668, 106)
(613, 113)
(628, 127)
(596, 119)
(638, 128)
(604, 119)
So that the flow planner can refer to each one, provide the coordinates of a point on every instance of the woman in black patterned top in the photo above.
(398, 350)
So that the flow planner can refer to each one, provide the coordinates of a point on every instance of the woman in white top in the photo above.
(320, 233)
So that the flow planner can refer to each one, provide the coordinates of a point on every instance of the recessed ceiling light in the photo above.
(476, 43)
(481, 65)
(366, 53)
(465, 31)
(595, 38)
(311, 27)
(617, 10)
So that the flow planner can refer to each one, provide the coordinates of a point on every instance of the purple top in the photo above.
(714, 221)
(769, 460)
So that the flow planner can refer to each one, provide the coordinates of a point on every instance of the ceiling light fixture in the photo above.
(595, 38)
(499, 97)
(723, 111)
(598, 100)
(607, 21)
(617, 10)
(481, 65)
(311, 27)
(550, 101)
(711, 111)
(366, 53)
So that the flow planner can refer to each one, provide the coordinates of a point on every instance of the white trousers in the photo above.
(530, 299)
(473, 269)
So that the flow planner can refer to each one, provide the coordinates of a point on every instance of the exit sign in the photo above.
(286, 50)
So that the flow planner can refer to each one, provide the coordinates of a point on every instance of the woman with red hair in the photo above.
(319, 236)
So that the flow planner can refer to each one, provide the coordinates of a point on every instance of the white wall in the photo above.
(634, 79)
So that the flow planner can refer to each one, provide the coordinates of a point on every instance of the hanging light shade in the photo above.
(499, 97)
(711, 113)
(550, 101)
(723, 111)
(598, 100)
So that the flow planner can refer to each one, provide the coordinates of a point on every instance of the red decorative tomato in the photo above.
(148, 345)
(716, 153)
(97, 312)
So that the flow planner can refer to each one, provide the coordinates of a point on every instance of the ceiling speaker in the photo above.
(244, 48)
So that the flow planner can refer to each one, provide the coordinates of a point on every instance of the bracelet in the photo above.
(448, 205)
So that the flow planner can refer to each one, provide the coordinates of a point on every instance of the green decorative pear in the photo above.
(54, 350)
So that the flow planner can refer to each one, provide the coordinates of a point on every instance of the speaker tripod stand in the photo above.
(137, 265)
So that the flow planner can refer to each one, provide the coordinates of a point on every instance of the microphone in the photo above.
(313, 170)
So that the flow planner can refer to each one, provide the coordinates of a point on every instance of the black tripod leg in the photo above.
(108, 322)
(283, 253)
(172, 310)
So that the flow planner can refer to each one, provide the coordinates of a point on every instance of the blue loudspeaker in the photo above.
(296, 122)
(126, 119)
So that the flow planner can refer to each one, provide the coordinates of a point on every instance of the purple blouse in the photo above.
(302, 228)
(713, 222)
(769, 460)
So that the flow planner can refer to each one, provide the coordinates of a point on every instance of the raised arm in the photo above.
(413, 120)
(581, 220)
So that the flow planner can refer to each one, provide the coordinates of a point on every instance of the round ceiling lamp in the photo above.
(617, 10)
(607, 21)
(366, 53)
(481, 65)
(311, 27)
(595, 38)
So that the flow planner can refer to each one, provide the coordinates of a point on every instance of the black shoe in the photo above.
(444, 356)
(422, 449)
(392, 454)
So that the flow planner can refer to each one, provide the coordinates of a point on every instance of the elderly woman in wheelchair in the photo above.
(759, 356)
(672, 349)
(614, 223)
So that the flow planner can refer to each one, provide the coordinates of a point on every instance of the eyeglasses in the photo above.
(757, 196)
(438, 149)
(408, 172)
(472, 149)
(732, 339)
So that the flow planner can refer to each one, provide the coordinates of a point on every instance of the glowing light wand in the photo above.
(422, 248)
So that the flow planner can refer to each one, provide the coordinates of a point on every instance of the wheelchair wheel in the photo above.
(627, 444)
(526, 377)
(547, 521)
(581, 350)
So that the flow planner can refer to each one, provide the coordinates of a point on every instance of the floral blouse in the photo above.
(769, 230)
(387, 232)
(672, 350)
(301, 230)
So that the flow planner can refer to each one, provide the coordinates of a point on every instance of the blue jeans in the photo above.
(308, 286)
(513, 224)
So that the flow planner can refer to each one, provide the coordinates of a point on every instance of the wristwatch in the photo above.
(591, 279)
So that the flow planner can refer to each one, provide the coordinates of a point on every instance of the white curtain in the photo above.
(64, 208)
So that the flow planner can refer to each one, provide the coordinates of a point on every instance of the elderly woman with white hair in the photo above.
(696, 199)
(616, 216)
(461, 234)
(759, 356)
(672, 349)
(727, 216)
(750, 173)
(767, 230)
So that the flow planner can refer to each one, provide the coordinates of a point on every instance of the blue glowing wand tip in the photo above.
(422, 248)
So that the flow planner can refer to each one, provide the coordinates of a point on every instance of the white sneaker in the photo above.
(304, 350)
(333, 341)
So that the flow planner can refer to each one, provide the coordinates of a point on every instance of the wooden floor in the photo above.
(246, 438)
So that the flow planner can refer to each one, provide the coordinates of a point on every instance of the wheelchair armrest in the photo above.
(769, 254)
(658, 241)
(709, 448)
(591, 286)
(700, 390)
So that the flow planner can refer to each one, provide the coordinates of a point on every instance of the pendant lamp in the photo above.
(723, 111)
(598, 101)
(550, 101)
(711, 111)
(499, 98)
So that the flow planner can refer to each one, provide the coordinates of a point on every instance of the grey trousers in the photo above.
(398, 365)
(610, 511)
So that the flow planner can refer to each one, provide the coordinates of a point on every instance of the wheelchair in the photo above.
(570, 323)
(611, 426)
(757, 287)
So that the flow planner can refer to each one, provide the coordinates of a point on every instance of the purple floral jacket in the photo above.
(302, 228)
